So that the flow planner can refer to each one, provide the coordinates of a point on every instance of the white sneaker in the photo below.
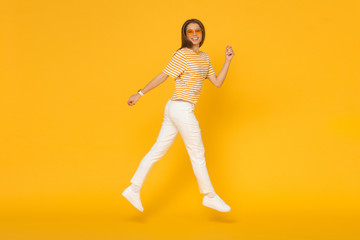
(216, 203)
(133, 198)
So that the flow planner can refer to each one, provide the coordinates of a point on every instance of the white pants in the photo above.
(178, 117)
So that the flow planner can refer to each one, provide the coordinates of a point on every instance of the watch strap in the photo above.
(140, 92)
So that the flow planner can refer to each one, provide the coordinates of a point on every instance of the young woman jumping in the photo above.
(189, 67)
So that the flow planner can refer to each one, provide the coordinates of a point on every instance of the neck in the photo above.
(195, 48)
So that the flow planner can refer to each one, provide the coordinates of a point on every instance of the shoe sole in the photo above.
(212, 207)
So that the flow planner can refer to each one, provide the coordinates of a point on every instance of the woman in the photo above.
(189, 67)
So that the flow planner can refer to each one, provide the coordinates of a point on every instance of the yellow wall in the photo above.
(281, 135)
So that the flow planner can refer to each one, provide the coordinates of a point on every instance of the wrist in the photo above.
(140, 92)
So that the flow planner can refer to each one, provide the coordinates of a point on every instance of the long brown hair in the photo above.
(184, 41)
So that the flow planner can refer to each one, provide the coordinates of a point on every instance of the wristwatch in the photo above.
(140, 92)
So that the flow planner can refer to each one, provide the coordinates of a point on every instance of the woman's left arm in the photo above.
(219, 79)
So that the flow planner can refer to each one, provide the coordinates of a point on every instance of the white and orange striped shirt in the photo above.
(189, 69)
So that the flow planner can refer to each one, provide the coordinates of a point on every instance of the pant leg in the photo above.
(165, 139)
(185, 120)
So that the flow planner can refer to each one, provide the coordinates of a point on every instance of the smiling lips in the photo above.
(195, 39)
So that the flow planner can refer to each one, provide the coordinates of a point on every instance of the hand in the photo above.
(229, 53)
(133, 99)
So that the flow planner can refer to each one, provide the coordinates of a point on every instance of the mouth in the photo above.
(195, 39)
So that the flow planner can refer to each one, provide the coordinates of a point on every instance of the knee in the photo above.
(159, 148)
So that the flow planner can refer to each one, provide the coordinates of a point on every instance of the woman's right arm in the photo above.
(151, 85)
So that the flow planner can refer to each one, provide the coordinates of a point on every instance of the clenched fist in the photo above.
(229, 53)
(133, 99)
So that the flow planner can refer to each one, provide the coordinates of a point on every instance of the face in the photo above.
(194, 33)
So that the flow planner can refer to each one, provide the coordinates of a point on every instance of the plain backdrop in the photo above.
(282, 135)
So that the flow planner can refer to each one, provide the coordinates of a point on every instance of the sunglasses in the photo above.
(190, 32)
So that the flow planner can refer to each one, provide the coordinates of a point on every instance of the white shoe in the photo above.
(133, 198)
(216, 203)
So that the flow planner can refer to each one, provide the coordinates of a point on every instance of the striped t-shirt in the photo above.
(189, 69)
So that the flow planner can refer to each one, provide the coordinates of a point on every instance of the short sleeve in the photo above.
(210, 71)
(177, 64)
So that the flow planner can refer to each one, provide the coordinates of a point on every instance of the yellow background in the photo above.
(282, 135)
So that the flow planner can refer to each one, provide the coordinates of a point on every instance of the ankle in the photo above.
(135, 188)
(211, 194)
